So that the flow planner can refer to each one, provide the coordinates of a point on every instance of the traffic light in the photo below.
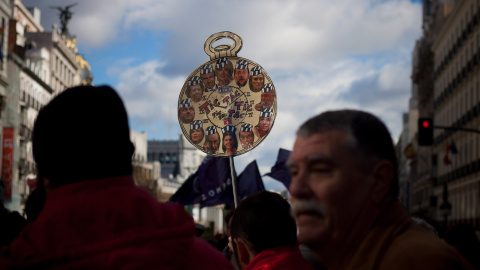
(425, 131)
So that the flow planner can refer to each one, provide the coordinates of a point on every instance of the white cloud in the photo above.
(119, 66)
(393, 77)
(293, 34)
(148, 95)
(320, 54)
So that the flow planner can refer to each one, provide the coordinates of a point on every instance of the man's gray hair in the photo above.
(369, 138)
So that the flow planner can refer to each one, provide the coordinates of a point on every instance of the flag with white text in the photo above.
(210, 185)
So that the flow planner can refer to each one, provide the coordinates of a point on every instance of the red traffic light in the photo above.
(425, 131)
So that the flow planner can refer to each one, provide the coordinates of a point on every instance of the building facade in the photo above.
(178, 160)
(145, 174)
(457, 104)
(178, 157)
(27, 92)
(444, 178)
(38, 65)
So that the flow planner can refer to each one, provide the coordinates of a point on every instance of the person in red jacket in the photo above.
(94, 216)
(264, 234)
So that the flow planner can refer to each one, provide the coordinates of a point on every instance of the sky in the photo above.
(320, 54)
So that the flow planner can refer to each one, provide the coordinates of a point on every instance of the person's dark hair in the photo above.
(370, 139)
(82, 134)
(203, 134)
(263, 221)
(235, 141)
(226, 218)
(228, 215)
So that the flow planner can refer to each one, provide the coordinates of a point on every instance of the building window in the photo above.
(471, 99)
(477, 147)
(2, 43)
(428, 7)
(2, 103)
(477, 94)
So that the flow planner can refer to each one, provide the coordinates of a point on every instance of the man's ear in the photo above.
(383, 177)
(243, 255)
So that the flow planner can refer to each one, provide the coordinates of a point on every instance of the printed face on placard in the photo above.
(241, 76)
(196, 93)
(187, 114)
(246, 139)
(256, 82)
(208, 80)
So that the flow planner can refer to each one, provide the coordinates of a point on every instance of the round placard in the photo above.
(227, 106)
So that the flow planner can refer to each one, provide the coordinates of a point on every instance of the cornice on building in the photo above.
(37, 79)
(59, 43)
(17, 4)
(17, 59)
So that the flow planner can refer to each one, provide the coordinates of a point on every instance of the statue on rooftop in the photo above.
(65, 16)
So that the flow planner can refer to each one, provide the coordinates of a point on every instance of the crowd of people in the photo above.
(343, 212)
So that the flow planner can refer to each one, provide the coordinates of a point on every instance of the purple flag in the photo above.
(250, 181)
(210, 185)
(280, 171)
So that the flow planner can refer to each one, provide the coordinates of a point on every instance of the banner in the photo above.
(279, 171)
(409, 151)
(210, 185)
(7, 160)
(250, 181)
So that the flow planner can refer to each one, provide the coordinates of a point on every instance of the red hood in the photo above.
(106, 223)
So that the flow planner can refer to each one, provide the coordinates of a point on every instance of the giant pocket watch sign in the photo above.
(227, 106)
